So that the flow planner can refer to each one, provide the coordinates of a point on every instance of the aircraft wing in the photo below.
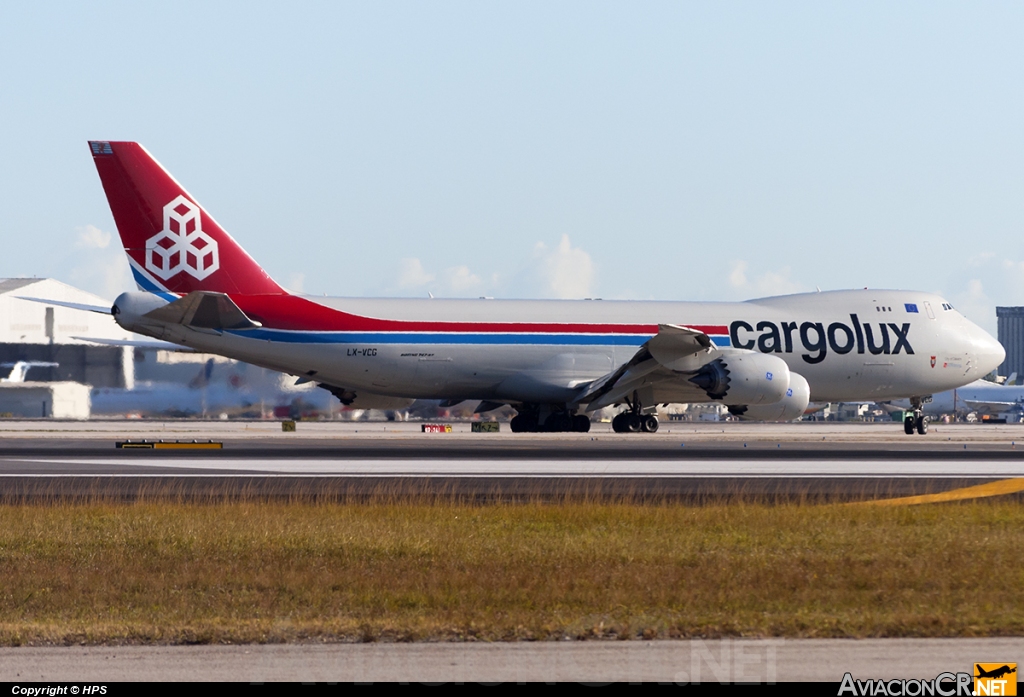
(100, 309)
(204, 310)
(656, 361)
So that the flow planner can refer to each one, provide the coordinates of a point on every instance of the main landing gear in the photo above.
(634, 420)
(628, 422)
(543, 419)
(916, 421)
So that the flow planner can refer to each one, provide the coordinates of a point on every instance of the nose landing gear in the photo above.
(916, 421)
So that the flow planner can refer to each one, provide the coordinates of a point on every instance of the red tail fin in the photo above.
(172, 243)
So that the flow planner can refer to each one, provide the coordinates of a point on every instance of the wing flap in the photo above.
(672, 350)
(674, 344)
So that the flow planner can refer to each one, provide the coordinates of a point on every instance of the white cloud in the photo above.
(91, 237)
(563, 271)
(738, 275)
(975, 290)
(981, 259)
(96, 265)
(460, 279)
(296, 281)
(777, 283)
(567, 271)
(412, 275)
(765, 284)
(974, 304)
(453, 281)
(987, 281)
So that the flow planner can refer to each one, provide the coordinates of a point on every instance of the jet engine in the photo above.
(790, 407)
(744, 378)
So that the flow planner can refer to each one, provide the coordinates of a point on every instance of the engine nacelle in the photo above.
(744, 378)
(790, 407)
(129, 308)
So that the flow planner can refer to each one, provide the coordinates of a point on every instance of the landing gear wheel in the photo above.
(619, 423)
(521, 423)
(633, 423)
(650, 423)
(921, 424)
(580, 423)
(908, 425)
(558, 423)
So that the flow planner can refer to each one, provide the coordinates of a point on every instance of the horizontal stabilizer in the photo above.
(133, 343)
(100, 309)
(204, 310)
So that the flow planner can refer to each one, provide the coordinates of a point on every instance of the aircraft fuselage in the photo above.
(849, 345)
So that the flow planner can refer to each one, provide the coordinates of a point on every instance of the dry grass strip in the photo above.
(276, 572)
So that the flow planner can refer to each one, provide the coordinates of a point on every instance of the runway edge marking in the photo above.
(1000, 488)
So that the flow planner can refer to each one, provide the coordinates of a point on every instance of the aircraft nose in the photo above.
(988, 352)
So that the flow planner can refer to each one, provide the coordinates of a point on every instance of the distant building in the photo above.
(44, 400)
(32, 331)
(1011, 336)
(71, 377)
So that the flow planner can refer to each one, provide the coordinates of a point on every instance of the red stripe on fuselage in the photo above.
(290, 312)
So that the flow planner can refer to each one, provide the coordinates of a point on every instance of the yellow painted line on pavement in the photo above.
(1000, 488)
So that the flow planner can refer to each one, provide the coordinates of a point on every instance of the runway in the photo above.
(692, 662)
(356, 462)
(755, 461)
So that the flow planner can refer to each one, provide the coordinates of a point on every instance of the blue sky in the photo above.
(705, 151)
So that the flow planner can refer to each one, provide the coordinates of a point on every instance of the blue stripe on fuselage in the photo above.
(299, 337)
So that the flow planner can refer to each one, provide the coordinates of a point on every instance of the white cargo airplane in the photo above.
(552, 360)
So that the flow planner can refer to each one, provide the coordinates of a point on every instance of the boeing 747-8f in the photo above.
(553, 360)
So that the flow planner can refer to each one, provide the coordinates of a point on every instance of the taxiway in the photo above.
(359, 459)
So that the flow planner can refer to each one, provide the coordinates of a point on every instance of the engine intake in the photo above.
(713, 378)
(743, 378)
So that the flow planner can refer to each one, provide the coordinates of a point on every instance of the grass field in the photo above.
(266, 572)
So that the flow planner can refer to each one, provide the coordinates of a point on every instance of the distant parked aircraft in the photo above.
(19, 370)
(217, 388)
(980, 396)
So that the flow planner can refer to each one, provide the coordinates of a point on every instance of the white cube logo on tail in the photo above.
(182, 245)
